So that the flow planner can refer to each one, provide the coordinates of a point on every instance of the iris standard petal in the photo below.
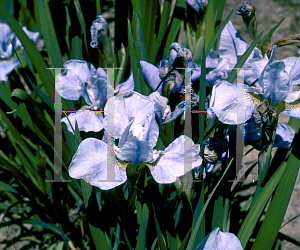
(6, 67)
(91, 162)
(217, 240)
(86, 120)
(232, 46)
(124, 107)
(170, 163)
(274, 82)
(72, 86)
(136, 151)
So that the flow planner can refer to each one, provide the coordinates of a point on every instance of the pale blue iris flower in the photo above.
(134, 124)
(82, 79)
(278, 82)
(224, 103)
(8, 42)
(231, 47)
(217, 240)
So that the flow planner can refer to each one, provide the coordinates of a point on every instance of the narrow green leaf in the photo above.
(201, 232)
(209, 22)
(32, 52)
(81, 22)
(161, 239)
(139, 39)
(277, 209)
(139, 83)
(46, 225)
(35, 113)
(100, 238)
(197, 225)
(7, 188)
(243, 59)
(141, 240)
(45, 21)
(64, 238)
(257, 208)
(178, 16)
(269, 34)
(217, 34)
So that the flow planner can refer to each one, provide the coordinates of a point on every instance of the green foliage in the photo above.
(140, 214)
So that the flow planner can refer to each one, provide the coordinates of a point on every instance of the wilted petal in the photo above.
(251, 131)
(197, 5)
(232, 46)
(90, 163)
(6, 67)
(98, 28)
(284, 136)
(226, 102)
(160, 105)
(170, 163)
(179, 109)
(217, 240)
(86, 120)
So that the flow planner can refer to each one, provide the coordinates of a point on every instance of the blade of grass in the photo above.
(197, 225)
(277, 209)
(176, 20)
(161, 239)
(32, 52)
(209, 22)
(269, 34)
(141, 239)
(45, 21)
(139, 83)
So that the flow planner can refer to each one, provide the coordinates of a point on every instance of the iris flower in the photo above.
(231, 47)
(8, 42)
(136, 128)
(82, 79)
(217, 240)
